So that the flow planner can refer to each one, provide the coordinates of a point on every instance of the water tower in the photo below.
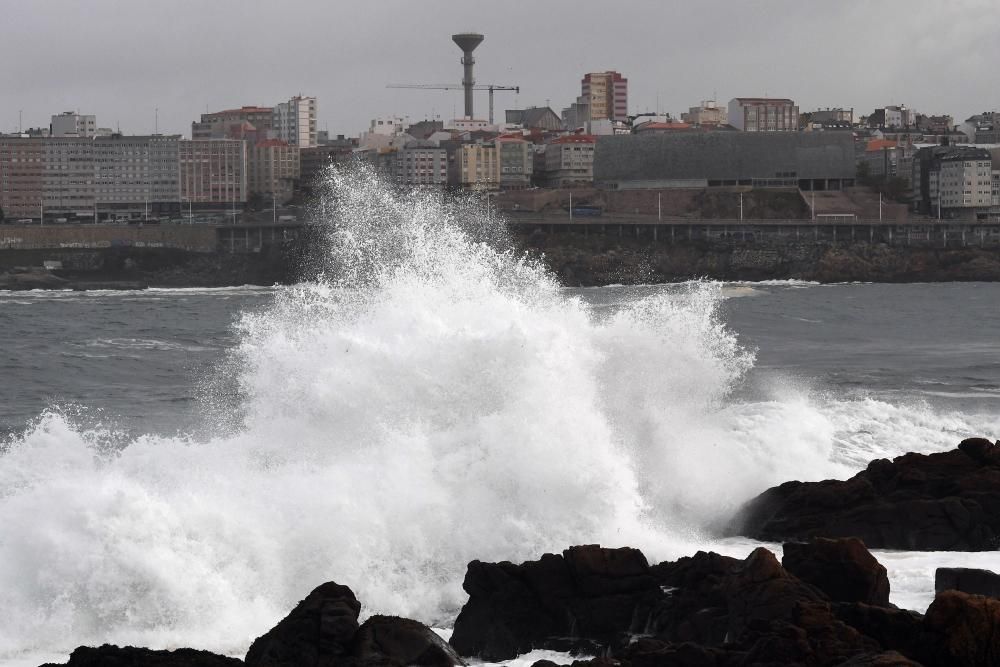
(468, 41)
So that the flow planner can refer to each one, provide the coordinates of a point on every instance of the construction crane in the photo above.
(457, 86)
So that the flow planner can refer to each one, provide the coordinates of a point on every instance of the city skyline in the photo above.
(145, 67)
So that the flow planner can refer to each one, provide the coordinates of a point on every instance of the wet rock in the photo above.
(586, 592)
(390, 640)
(963, 630)
(319, 631)
(109, 655)
(967, 580)
(883, 659)
(937, 502)
(843, 569)
(694, 607)
(894, 629)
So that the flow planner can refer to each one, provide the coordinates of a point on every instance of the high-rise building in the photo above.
(294, 122)
(763, 114)
(606, 93)
(137, 174)
(70, 124)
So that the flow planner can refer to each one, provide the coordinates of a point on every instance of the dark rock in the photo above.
(843, 569)
(109, 655)
(939, 502)
(318, 632)
(884, 659)
(694, 607)
(967, 580)
(390, 640)
(894, 629)
(587, 592)
(963, 630)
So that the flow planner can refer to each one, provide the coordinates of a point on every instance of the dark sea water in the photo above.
(168, 478)
(137, 359)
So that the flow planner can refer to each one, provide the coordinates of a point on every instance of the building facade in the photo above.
(708, 113)
(569, 160)
(763, 114)
(479, 166)
(954, 182)
(294, 122)
(417, 165)
(274, 168)
(221, 124)
(70, 124)
(606, 95)
(213, 174)
(516, 162)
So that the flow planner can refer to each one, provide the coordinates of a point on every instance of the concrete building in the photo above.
(70, 124)
(606, 95)
(954, 182)
(935, 125)
(231, 123)
(832, 115)
(569, 160)
(312, 161)
(516, 157)
(708, 113)
(577, 114)
(763, 114)
(213, 174)
(137, 174)
(418, 164)
(22, 171)
(479, 166)
(896, 117)
(274, 168)
(294, 122)
(806, 160)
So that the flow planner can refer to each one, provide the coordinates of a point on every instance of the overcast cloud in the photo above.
(122, 59)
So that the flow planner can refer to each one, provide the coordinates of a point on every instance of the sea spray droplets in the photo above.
(435, 398)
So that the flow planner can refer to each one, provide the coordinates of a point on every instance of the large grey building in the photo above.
(808, 160)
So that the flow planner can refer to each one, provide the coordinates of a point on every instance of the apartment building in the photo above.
(516, 157)
(606, 94)
(274, 167)
(479, 166)
(118, 176)
(294, 122)
(418, 164)
(763, 114)
(213, 173)
(954, 182)
(569, 160)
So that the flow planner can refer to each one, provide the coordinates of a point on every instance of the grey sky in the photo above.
(121, 59)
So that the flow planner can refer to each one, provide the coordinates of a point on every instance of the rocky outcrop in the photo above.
(318, 631)
(843, 569)
(963, 630)
(109, 655)
(323, 631)
(586, 592)
(599, 259)
(31, 278)
(937, 502)
(967, 580)
(390, 640)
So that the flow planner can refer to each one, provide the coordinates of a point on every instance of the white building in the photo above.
(294, 122)
(70, 124)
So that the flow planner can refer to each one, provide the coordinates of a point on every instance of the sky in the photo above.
(141, 65)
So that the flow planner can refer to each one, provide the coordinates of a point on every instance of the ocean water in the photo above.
(179, 467)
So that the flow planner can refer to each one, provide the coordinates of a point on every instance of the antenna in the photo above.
(156, 120)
